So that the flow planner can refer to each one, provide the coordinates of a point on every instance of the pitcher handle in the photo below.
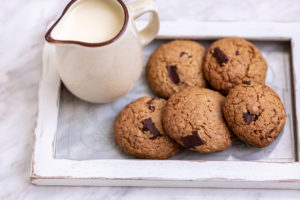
(139, 8)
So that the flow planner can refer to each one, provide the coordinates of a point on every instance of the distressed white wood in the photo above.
(46, 170)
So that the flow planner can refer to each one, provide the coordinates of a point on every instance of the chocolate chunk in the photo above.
(237, 53)
(269, 134)
(183, 53)
(172, 72)
(150, 104)
(148, 125)
(220, 56)
(261, 137)
(248, 117)
(247, 82)
(191, 141)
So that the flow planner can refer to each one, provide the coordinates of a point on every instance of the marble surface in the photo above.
(23, 24)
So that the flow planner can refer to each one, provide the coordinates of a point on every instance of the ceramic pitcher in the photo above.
(102, 72)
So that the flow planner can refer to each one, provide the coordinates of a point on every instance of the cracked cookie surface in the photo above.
(138, 130)
(174, 66)
(255, 113)
(193, 117)
(230, 61)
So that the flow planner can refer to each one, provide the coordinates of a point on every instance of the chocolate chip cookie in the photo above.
(139, 131)
(174, 66)
(193, 117)
(255, 113)
(230, 61)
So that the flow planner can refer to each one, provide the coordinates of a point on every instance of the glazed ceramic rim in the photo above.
(87, 44)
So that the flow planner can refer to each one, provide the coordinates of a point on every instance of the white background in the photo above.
(22, 27)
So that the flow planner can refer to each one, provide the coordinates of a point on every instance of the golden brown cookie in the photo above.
(254, 113)
(230, 61)
(139, 131)
(174, 66)
(193, 117)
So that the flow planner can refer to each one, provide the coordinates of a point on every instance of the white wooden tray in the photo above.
(74, 143)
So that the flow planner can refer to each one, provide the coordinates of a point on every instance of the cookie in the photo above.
(139, 131)
(255, 113)
(231, 61)
(193, 118)
(174, 66)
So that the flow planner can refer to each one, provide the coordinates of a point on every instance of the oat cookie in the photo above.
(174, 66)
(139, 131)
(255, 113)
(230, 61)
(193, 117)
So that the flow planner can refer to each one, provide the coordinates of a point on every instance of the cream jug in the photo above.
(98, 47)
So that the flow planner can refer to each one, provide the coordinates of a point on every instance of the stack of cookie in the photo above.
(194, 116)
